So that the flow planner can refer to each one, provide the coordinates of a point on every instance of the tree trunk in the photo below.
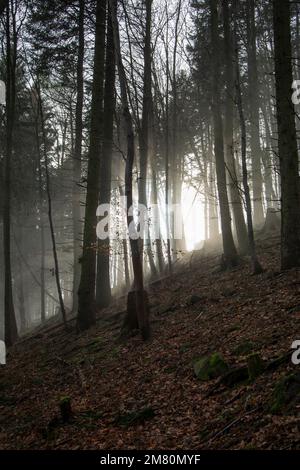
(167, 155)
(125, 252)
(11, 332)
(177, 245)
(42, 227)
(103, 288)
(258, 213)
(157, 241)
(43, 307)
(213, 200)
(235, 197)
(230, 254)
(21, 297)
(267, 162)
(86, 294)
(142, 308)
(257, 269)
(147, 99)
(77, 224)
(287, 140)
(50, 212)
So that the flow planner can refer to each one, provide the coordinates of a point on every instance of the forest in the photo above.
(150, 228)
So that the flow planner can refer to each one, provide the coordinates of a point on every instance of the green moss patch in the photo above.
(211, 367)
(286, 394)
(244, 348)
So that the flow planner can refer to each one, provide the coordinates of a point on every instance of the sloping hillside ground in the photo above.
(135, 395)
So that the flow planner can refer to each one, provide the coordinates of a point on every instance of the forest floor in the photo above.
(135, 395)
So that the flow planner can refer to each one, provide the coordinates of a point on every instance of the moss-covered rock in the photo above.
(255, 366)
(286, 394)
(244, 348)
(210, 367)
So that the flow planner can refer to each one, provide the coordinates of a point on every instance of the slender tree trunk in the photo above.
(41, 208)
(50, 212)
(42, 229)
(145, 134)
(230, 254)
(158, 243)
(21, 297)
(287, 139)
(147, 98)
(258, 213)
(11, 332)
(167, 162)
(86, 293)
(257, 269)
(213, 208)
(267, 161)
(43, 307)
(64, 129)
(235, 197)
(213, 200)
(151, 157)
(177, 245)
(125, 251)
(77, 224)
(205, 182)
(103, 288)
(141, 307)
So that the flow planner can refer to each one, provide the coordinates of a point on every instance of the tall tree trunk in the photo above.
(230, 254)
(235, 197)
(258, 213)
(147, 99)
(145, 135)
(21, 297)
(41, 209)
(157, 241)
(103, 288)
(125, 251)
(287, 139)
(213, 207)
(167, 155)
(50, 211)
(177, 245)
(43, 251)
(42, 225)
(140, 307)
(257, 269)
(267, 162)
(204, 172)
(86, 294)
(213, 215)
(77, 157)
(11, 333)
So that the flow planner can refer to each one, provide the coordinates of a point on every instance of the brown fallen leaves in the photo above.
(106, 379)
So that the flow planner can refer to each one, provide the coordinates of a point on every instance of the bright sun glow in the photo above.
(193, 217)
